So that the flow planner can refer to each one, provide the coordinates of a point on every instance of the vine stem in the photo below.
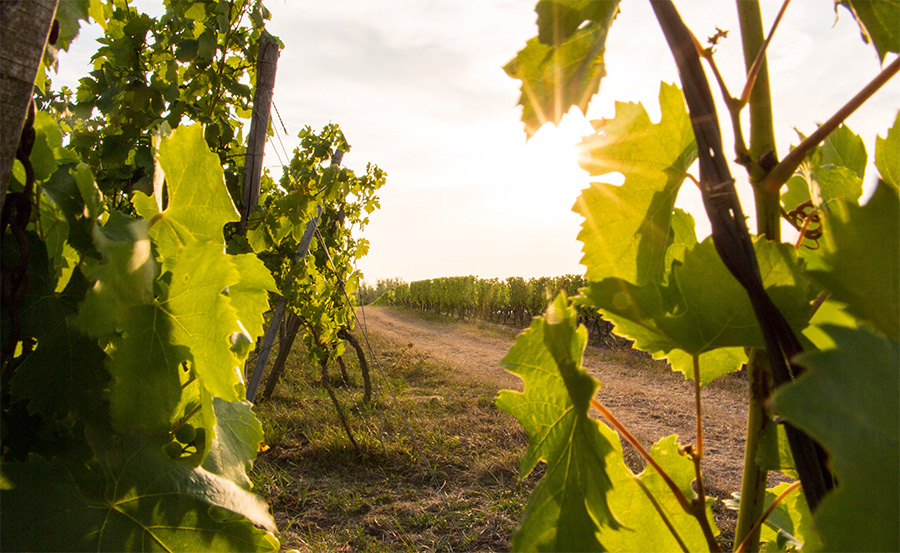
(785, 169)
(768, 222)
(742, 548)
(699, 503)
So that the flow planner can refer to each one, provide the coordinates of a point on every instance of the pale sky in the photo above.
(418, 88)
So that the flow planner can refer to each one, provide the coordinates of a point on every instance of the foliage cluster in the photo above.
(836, 286)
(124, 280)
(322, 292)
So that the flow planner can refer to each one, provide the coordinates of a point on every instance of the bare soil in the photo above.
(652, 401)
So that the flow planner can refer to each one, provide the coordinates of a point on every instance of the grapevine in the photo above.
(133, 301)
(650, 276)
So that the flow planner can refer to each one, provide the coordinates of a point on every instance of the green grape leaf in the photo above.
(562, 66)
(877, 22)
(864, 259)
(844, 148)
(847, 401)
(569, 505)
(192, 322)
(702, 307)
(124, 279)
(643, 529)
(238, 434)
(570, 509)
(199, 204)
(133, 499)
(713, 364)
(790, 523)
(70, 14)
(249, 296)
(202, 317)
(887, 155)
(145, 368)
(684, 237)
(68, 360)
(627, 229)
(90, 194)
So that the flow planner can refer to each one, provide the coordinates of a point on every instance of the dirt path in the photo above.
(650, 401)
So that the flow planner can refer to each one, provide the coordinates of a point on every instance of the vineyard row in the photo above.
(512, 301)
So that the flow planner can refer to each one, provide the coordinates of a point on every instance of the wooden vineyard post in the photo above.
(266, 65)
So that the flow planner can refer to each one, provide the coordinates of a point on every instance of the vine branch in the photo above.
(785, 169)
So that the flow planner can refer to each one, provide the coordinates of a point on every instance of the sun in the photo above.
(551, 156)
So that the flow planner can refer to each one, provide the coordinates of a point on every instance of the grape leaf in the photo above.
(831, 171)
(844, 148)
(202, 317)
(774, 451)
(145, 367)
(887, 154)
(238, 434)
(562, 66)
(131, 499)
(569, 505)
(877, 23)
(702, 307)
(249, 297)
(684, 237)
(62, 356)
(847, 400)
(864, 258)
(642, 527)
(572, 506)
(627, 228)
(199, 204)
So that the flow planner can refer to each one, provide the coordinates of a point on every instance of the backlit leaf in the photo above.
(569, 506)
(628, 228)
(643, 529)
(199, 204)
(202, 317)
(864, 260)
(702, 308)
(847, 401)
(887, 155)
(562, 66)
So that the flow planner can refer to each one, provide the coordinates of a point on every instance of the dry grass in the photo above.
(438, 468)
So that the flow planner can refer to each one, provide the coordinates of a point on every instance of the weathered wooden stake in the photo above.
(266, 64)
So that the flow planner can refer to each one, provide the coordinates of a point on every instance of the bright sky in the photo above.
(418, 88)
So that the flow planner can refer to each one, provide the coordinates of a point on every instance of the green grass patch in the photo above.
(437, 470)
